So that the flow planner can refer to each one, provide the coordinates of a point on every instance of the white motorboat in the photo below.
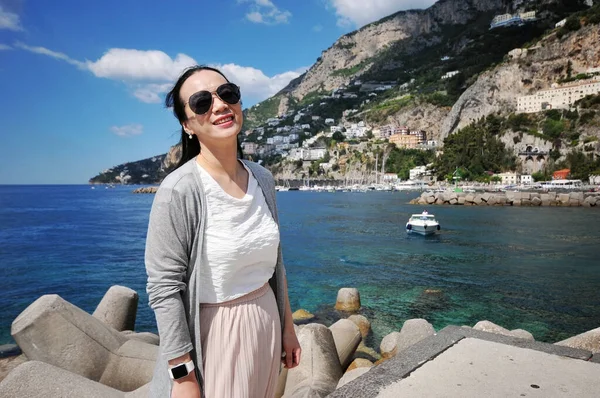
(424, 224)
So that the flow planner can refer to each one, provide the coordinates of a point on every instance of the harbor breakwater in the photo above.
(510, 198)
(122, 360)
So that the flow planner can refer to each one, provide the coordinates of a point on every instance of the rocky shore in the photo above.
(145, 190)
(509, 198)
(68, 352)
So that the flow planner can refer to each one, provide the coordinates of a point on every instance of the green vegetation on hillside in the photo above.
(477, 150)
(259, 113)
(400, 161)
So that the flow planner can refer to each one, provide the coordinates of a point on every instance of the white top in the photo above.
(240, 242)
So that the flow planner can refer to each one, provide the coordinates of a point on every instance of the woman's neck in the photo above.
(220, 162)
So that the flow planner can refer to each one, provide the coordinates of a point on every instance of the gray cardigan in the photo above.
(175, 233)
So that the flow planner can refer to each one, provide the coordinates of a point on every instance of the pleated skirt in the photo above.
(241, 346)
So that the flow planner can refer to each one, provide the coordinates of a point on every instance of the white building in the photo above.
(450, 74)
(526, 179)
(309, 154)
(329, 121)
(305, 127)
(562, 97)
(315, 118)
(277, 139)
(335, 129)
(250, 148)
(510, 178)
(419, 173)
(560, 24)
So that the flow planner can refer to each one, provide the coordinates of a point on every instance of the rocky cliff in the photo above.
(536, 68)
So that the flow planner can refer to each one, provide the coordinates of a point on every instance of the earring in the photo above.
(190, 136)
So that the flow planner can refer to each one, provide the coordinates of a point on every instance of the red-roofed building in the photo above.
(561, 174)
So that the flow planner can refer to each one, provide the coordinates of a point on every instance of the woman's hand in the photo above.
(186, 387)
(291, 348)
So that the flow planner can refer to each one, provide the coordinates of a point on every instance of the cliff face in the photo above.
(146, 171)
(496, 91)
(362, 45)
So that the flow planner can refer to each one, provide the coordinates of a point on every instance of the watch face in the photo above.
(179, 371)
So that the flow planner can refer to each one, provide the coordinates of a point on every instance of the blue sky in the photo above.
(82, 81)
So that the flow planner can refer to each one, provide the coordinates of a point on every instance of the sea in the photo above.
(532, 268)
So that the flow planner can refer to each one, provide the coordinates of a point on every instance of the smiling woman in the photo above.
(216, 279)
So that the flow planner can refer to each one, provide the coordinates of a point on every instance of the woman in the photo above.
(216, 279)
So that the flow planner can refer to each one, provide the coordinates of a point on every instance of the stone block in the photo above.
(485, 197)
(491, 200)
(536, 201)
(347, 337)
(353, 374)
(363, 324)
(348, 299)
(516, 202)
(545, 197)
(281, 381)
(589, 340)
(389, 345)
(500, 200)
(477, 200)
(470, 198)
(461, 200)
(56, 332)
(545, 203)
(430, 199)
(118, 308)
(453, 201)
(522, 334)
(413, 331)
(487, 326)
(576, 196)
(319, 370)
(302, 315)
(35, 379)
(359, 363)
(574, 203)
(563, 198)
(552, 195)
(525, 202)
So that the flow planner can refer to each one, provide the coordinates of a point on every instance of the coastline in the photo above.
(510, 198)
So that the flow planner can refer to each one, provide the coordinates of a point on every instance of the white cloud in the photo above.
(5, 47)
(128, 130)
(150, 74)
(359, 12)
(152, 92)
(264, 11)
(50, 53)
(128, 64)
(317, 28)
(9, 20)
(254, 83)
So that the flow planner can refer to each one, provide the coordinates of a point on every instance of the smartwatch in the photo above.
(181, 370)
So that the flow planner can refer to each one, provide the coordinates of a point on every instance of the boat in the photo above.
(424, 224)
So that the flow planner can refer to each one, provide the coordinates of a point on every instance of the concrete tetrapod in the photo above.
(319, 370)
(118, 308)
(346, 335)
(34, 379)
(56, 332)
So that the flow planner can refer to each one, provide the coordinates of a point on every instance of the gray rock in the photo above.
(351, 375)
(56, 332)
(348, 299)
(118, 308)
(319, 370)
(363, 324)
(35, 379)
(589, 340)
(522, 334)
(347, 337)
(413, 331)
(389, 345)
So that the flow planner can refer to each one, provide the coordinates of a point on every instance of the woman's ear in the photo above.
(186, 128)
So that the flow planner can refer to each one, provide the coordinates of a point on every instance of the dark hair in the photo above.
(190, 148)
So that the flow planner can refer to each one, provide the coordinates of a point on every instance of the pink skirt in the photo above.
(241, 346)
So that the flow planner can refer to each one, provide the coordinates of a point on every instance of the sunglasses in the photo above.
(201, 101)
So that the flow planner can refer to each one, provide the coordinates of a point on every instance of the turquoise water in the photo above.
(530, 268)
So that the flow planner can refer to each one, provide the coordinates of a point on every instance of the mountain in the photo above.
(395, 71)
